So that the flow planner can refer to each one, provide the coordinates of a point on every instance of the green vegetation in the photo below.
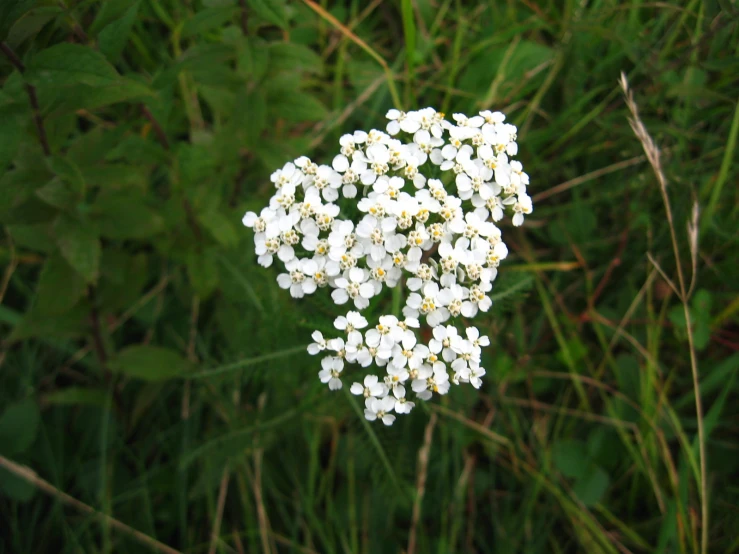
(154, 376)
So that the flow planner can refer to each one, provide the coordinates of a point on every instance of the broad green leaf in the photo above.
(70, 64)
(591, 485)
(207, 19)
(10, 131)
(10, 12)
(18, 426)
(31, 23)
(125, 215)
(36, 238)
(88, 97)
(112, 39)
(272, 11)
(58, 194)
(59, 287)
(109, 12)
(220, 226)
(14, 487)
(79, 245)
(70, 324)
(150, 363)
(570, 457)
(68, 171)
(291, 56)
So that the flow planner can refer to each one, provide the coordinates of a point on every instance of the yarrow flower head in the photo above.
(429, 192)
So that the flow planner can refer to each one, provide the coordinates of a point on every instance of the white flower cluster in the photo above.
(412, 227)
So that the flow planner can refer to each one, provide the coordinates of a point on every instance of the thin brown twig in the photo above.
(423, 465)
(33, 99)
(220, 504)
(244, 17)
(10, 269)
(158, 129)
(30, 476)
(567, 185)
(655, 160)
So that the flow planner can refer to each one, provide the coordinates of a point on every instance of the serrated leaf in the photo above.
(296, 106)
(150, 363)
(272, 11)
(18, 427)
(126, 215)
(207, 19)
(10, 12)
(252, 58)
(59, 287)
(70, 64)
(112, 39)
(79, 246)
(293, 57)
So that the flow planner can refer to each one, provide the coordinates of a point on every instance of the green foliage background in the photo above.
(152, 371)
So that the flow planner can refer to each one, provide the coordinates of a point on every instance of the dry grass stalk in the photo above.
(30, 476)
(653, 156)
(423, 466)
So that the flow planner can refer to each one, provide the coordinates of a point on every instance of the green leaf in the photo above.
(70, 324)
(252, 59)
(77, 396)
(570, 457)
(14, 487)
(10, 135)
(150, 363)
(220, 226)
(88, 97)
(293, 57)
(58, 194)
(296, 106)
(10, 12)
(126, 215)
(79, 246)
(59, 287)
(19, 426)
(68, 171)
(112, 39)
(272, 11)
(207, 19)
(591, 485)
(70, 64)
(30, 24)
(203, 272)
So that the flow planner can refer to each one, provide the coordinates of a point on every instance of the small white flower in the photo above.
(380, 408)
(371, 387)
(355, 287)
(319, 344)
(350, 324)
(331, 372)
